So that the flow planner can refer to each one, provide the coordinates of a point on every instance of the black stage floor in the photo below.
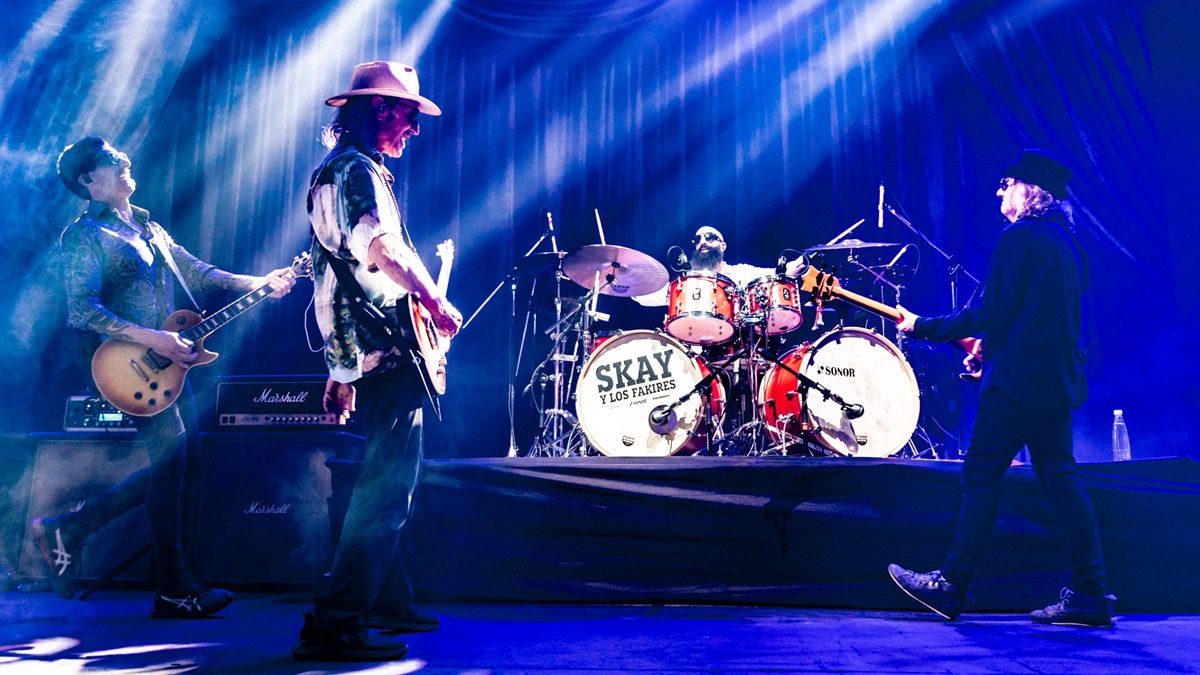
(42, 634)
(807, 532)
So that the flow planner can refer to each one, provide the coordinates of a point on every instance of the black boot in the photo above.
(1077, 609)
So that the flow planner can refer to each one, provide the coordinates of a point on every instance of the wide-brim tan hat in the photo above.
(386, 78)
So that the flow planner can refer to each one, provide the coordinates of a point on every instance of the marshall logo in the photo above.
(835, 371)
(257, 508)
(651, 375)
(270, 396)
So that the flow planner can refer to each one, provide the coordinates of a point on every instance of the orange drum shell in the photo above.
(702, 308)
(778, 297)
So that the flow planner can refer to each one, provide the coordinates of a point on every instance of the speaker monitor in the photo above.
(263, 514)
(69, 469)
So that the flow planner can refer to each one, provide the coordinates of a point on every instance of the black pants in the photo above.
(1002, 427)
(369, 575)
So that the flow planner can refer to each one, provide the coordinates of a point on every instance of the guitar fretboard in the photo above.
(227, 313)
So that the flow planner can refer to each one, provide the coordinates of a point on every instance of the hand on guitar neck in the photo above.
(825, 286)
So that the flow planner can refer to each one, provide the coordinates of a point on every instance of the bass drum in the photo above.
(631, 375)
(862, 368)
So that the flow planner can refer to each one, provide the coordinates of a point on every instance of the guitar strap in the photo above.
(366, 313)
(156, 243)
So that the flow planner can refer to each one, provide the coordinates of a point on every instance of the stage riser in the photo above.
(807, 532)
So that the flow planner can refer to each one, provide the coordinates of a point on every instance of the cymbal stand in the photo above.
(559, 432)
(514, 366)
(749, 436)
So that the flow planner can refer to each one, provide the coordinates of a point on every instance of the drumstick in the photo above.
(600, 227)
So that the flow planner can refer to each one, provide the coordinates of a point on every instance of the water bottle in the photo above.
(1120, 437)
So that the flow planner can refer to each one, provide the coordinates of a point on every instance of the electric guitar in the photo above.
(433, 346)
(140, 382)
(825, 286)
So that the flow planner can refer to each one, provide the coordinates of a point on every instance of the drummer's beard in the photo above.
(708, 260)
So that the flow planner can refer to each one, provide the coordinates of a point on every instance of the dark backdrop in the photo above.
(773, 121)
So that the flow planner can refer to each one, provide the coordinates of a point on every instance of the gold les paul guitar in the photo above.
(825, 286)
(140, 382)
(434, 346)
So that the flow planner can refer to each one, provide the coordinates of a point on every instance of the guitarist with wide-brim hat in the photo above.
(119, 286)
(361, 249)
(1028, 317)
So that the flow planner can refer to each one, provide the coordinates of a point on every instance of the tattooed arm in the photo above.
(83, 275)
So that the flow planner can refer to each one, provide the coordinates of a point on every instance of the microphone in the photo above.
(854, 411)
(682, 261)
(554, 242)
(781, 264)
(881, 206)
(663, 419)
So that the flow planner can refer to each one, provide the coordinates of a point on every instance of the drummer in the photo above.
(709, 256)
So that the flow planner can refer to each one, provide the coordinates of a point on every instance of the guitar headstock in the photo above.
(818, 282)
(445, 251)
(302, 265)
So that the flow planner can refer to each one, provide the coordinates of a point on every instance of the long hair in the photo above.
(1039, 203)
(356, 121)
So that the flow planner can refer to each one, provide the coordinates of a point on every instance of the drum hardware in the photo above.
(849, 244)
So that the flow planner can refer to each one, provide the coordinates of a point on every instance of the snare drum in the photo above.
(859, 366)
(702, 308)
(775, 301)
(632, 375)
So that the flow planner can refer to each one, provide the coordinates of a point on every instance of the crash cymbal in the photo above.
(538, 263)
(634, 272)
(850, 243)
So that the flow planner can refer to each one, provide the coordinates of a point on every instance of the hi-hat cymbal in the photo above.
(849, 243)
(538, 263)
(633, 272)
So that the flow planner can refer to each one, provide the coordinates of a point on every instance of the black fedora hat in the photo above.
(1041, 168)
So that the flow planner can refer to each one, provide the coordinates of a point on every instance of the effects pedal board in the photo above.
(92, 413)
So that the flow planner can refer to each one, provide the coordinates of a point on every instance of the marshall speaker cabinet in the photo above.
(264, 506)
(68, 470)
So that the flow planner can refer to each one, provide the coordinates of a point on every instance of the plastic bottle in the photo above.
(1120, 437)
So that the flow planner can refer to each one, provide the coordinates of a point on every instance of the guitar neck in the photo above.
(227, 313)
(443, 280)
(863, 302)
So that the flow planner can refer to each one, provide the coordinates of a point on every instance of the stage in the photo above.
(800, 532)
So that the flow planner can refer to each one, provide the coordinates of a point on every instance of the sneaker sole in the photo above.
(1074, 624)
(931, 608)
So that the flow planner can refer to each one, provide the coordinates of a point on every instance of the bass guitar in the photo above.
(432, 345)
(824, 286)
(140, 382)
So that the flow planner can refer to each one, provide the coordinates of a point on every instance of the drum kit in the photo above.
(715, 379)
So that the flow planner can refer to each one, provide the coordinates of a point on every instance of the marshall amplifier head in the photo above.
(273, 402)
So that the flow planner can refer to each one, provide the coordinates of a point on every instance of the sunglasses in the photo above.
(110, 158)
(412, 114)
(1006, 183)
(707, 236)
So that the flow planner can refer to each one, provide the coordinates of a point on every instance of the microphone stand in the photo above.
(511, 279)
(954, 266)
(663, 419)
(852, 410)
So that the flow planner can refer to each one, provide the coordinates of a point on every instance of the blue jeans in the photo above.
(369, 575)
(159, 487)
(1002, 427)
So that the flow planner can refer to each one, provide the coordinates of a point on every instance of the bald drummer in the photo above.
(708, 255)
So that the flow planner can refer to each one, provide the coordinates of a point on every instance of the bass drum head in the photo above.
(862, 368)
(624, 380)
